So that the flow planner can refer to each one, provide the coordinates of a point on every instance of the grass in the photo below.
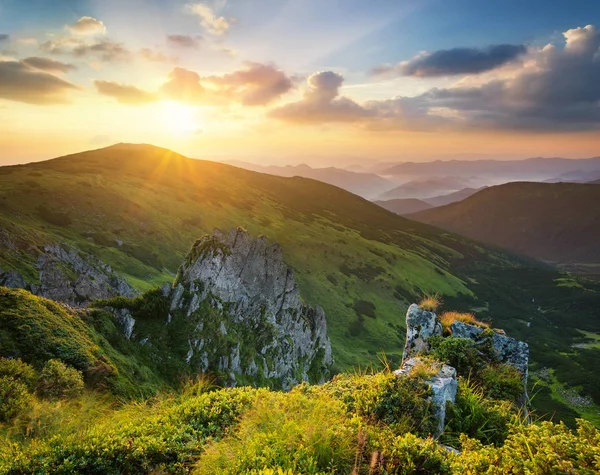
(343, 249)
(447, 318)
(430, 302)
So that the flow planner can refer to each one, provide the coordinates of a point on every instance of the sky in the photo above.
(333, 82)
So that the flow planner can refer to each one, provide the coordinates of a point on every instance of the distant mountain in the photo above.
(426, 188)
(459, 195)
(553, 221)
(597, 182)
(367, 185)
(531, 169)
(575, 176)
(406, 206)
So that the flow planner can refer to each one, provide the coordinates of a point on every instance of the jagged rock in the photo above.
(71, 277)
(443, 385)
(509, 350)
(66, 276)
(420, 325)
(126, 320)
(259, 308)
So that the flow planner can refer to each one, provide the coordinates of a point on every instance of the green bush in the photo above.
(58, 381)
(502, 381)
(457, 352)
(15, 397)
(408, 455)
(476, 417)
(18, 370)
(289, 432)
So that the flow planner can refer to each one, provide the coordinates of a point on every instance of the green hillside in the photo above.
(139, 209)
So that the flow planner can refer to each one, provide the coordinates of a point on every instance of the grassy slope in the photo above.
(343, 248)
(554, 221)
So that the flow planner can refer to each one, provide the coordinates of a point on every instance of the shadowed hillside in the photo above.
(404, 206)
(558, 222)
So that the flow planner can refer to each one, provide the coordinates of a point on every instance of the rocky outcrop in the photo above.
(70, 276)
(509, 350)
(261, 330)
(420, 326)
(443, 385)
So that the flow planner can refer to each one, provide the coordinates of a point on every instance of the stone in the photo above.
(126, 320)
(509, 350)
(443, 385)
(420, 326)
(72, 277)
(260, 307)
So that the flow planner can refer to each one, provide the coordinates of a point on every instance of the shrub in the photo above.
(364, 307)
(457, 352)
(289, 432)
(15, 397)
(18, 370)
(430, 303)
(409, 454)
(58, 380)
(501, 381)
(448, 317)
(476, 417)
(54, 217)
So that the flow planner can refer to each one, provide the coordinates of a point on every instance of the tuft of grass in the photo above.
(430, 302)
(447, 318)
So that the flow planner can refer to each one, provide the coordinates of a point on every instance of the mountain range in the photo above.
(136, 208)
(367, 185)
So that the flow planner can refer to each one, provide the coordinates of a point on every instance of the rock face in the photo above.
(264, 331)
(69, 276)
(420, 326)
(443, 387)
(509, 350)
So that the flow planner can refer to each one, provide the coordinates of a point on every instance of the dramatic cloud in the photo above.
(322, 103)
(217, 25)
(125, 94)
(553, 89)
(19, 82)
(49, 65)
(455, 61)
(184, 41)
(87, 26)
(256, 85)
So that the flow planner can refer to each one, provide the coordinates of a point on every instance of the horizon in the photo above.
(292, 82)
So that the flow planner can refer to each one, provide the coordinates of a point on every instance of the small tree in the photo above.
(58, 380)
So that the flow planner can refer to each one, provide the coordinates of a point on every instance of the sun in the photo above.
(180, 118)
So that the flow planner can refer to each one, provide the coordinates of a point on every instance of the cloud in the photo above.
(87, 26)
(49, 65)
(106, 50)
(19, 82)
(322, 103)
(4, 37)
(256, 85)
(552, 89)
(455, 61)
(184, 41)
(156, 56)
(217, 25)
(125, 94)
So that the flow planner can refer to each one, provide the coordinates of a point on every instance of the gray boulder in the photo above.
(420, 326)
(443, 385)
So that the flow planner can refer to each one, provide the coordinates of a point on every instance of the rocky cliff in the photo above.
(261, 331)
(68, 275)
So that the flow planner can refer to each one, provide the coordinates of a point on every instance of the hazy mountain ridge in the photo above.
(404, 206)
